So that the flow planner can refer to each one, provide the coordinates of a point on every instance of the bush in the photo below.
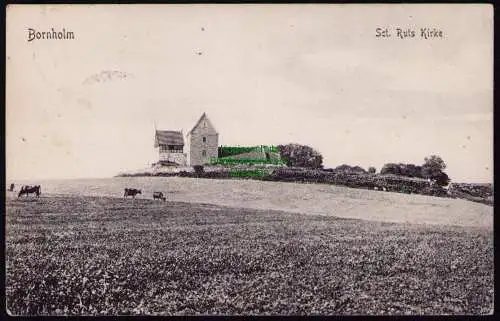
(409, 170)
(300, 156)
(433, 169)
(478, 190)
(184, 174)
(349, 169)
(167, 174)
(214, 175)
(442, 179)
(390, 168)
(434, 190)
(198, 169)
(248, 173)
(135, 174)
(372, 170)
(393, 183)
(433, 166)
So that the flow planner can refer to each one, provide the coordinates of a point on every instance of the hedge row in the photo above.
(231, 161)
(249, 173)
(481, 193)
(391, 183)
(476, 190)
(359, 180)
(227, 151)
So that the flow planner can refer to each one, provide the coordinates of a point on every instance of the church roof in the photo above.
(168, 137)
(198, 122)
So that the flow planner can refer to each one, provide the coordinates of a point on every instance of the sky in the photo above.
(264, 74)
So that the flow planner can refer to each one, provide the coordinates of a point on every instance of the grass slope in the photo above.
(100, 256)
(311, 199)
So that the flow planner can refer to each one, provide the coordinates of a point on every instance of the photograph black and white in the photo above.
(249, 159)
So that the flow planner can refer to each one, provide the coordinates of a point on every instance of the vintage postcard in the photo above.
(300, 159)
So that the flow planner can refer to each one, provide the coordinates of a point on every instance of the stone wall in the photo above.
(178, 158)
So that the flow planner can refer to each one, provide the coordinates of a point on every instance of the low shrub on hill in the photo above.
(135, 174)
(476, 190)
(350, 169)
(391, 183)
(249, 173)
(481, 193)
(300, 155)
(345, 177)
(165, 174)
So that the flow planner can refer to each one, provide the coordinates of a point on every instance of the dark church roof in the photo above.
(168, 137)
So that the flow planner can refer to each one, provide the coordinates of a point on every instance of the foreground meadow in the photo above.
(102, 255)
(310, 199)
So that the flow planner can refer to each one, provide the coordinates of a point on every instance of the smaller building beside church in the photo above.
(170, 146)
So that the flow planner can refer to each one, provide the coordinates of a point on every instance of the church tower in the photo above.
(202, 142)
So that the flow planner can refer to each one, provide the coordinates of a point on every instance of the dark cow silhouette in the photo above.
(159, 195)
(131, 192)
(29, 190)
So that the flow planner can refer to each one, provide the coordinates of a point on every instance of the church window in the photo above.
(204, 139)
(203, 153)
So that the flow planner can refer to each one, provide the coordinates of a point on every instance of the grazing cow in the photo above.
(159, 195)
(29, 189)
(131, 192)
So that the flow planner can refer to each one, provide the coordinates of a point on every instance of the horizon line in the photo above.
(116, 176)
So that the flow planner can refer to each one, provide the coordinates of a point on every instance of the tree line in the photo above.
(432, 168)
(297, 155)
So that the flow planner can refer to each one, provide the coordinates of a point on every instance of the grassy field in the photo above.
(310, 199)
(102, 255)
